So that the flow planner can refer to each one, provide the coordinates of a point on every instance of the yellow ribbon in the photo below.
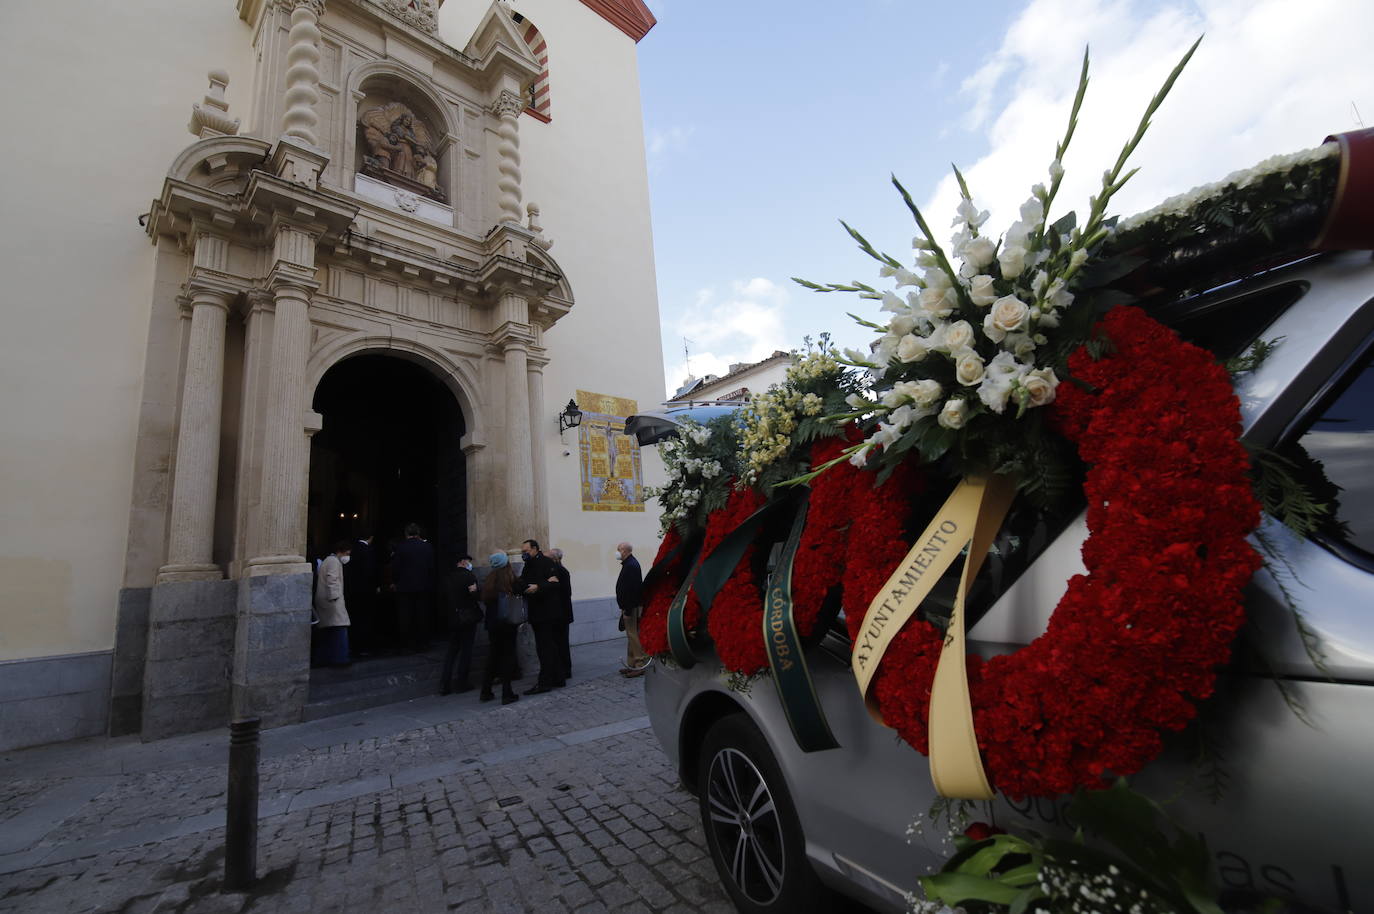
(970, 516)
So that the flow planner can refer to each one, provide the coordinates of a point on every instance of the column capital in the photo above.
(207, 289)
(286, 280)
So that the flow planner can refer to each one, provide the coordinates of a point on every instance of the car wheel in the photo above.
(751, 826)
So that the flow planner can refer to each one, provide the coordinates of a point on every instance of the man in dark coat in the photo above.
(360, 593)
(629, 596)
(462, 611)
(564, 618)
(412, 577)
(541, 598)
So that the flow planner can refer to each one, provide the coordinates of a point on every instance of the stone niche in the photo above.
(400, 147)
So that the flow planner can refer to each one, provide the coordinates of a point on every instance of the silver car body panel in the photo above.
(1297, 815)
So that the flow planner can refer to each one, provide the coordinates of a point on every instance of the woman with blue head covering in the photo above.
(498, 596)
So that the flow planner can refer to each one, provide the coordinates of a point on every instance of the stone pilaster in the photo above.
(507, 108)
(519, 494)
(190, 542)
(539, 432)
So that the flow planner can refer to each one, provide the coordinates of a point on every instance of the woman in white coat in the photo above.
(331, 634)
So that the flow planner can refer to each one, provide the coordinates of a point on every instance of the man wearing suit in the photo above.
(629, 596)
(462, 611)
(412, 577)
(541, 598)
(360, 592)
(563, 620)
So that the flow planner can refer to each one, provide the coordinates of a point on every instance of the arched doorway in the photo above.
(388, 454)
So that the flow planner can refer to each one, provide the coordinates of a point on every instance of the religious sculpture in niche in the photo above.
(400, 149)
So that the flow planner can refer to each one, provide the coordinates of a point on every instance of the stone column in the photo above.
(191, 536)
(271, 677)
(507, 107)
(538, 433)
(302, 72)
(518, 457)
(284, 465)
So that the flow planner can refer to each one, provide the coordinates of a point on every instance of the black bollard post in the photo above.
(241, 806)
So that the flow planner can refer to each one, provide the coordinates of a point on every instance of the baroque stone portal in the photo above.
(400, 149)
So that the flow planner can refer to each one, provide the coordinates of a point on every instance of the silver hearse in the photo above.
(1296, 817)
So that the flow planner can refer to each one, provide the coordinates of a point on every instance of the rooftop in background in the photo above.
(735, 384)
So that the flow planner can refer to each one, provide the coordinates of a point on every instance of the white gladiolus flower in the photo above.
(1048, 319)
(981, 290)
(854, 401)
(859, 458)
(1033, 210)
(919, 243)
(968, 213)
(907, 278)
(1056, 170)
(887, 270)
(886, 349)
(1020, 344)
(969, 370)
(927, 260)
(892, 399)
(1040, 282)
(902, 416)
(902, 324)
(994, 393)
(892, 302)
(1077, 259)
(912, 348)
(954, 413)
(854, 355)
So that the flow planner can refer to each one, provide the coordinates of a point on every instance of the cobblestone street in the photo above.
(559, 803)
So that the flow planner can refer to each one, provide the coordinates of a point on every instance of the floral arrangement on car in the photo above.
(1012, 366)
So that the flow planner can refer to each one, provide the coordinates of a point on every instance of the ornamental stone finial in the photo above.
(211, 116)
(536, 229)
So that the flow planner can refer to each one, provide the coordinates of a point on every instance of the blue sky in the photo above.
(766, 122)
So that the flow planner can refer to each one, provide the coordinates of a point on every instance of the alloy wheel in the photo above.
(745, 821)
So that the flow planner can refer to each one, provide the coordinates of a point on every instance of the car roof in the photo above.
(653, 426)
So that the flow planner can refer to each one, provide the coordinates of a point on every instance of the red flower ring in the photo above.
(653, 621)
(653, 624)
(1135, 642)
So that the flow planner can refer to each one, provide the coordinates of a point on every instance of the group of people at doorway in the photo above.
(500, 602)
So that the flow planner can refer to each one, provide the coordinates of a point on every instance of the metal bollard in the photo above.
(241, 806)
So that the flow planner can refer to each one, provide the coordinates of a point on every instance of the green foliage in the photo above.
(1126, 853)
(1253, 357)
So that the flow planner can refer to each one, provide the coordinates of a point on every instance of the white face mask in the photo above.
(343, 560)
(618, 556)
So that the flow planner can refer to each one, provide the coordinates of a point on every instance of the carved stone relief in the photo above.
(400, 149)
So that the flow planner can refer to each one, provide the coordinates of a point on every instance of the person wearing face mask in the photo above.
(629, 596)
(331, 635)
(463, 610)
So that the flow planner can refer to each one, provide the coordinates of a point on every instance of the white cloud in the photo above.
(661, 142)
(741, 324)
(1267, 79)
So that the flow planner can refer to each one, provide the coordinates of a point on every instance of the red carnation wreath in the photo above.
(653, 623)
(1135, 642)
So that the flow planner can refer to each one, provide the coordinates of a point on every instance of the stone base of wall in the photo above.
(190, 651)
(130, 655)
(271, 652)
(594, 620)
(51, 699)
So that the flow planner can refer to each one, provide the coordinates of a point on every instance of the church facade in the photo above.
(401, 272)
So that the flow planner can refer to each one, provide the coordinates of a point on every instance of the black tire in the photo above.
(751, 826)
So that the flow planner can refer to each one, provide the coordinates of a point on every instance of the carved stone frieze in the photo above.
(422, 14)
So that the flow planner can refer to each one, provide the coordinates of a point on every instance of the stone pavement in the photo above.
(559, 803)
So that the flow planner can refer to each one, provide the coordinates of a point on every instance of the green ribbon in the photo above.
(678, 641)
(717, 567)
(791, 675)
